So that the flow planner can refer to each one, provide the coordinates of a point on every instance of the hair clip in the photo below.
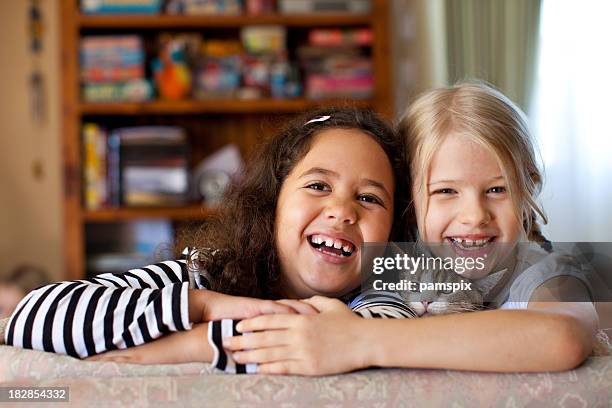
(319, 119)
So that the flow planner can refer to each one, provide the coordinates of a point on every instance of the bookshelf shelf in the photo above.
(193, 212)
(170, 21)
(212, 106)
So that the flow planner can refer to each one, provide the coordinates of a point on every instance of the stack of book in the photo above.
(120, 6)
(154, 169)
(227, 7)
(336, 64)
(112, 69)
(323, 6)
(135, 166)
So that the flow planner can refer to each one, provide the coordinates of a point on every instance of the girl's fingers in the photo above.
(271, 307)
(267, 322)
(264, 355)
(255, 340)
(299, 306)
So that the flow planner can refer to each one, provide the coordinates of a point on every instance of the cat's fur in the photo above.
(438, 302)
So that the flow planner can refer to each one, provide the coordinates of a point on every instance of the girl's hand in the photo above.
(175, 348)
(300, 306)
(315, 344)
(208, 305)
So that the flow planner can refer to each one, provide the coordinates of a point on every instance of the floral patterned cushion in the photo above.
(115, 384)
(112, 384)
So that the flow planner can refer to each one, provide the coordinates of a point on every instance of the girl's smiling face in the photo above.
(468, 204)
(337, 197)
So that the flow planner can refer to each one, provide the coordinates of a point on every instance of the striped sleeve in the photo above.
(371, 304)
(217, 331)
(111, 311)
(381, 304)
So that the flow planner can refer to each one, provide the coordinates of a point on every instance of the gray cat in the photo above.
(442, 300)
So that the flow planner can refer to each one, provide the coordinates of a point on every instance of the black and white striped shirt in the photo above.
(112, 311)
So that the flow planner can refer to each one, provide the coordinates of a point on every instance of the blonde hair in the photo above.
(488, 118)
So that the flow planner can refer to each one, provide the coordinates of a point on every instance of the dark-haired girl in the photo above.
(292, 229)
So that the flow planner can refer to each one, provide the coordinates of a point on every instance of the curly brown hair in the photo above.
(245, 262)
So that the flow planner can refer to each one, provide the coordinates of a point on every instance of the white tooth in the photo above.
(346, 248)
(481, 241)
(329, 242)
(337, 244)
(317, 239)
(469, 242)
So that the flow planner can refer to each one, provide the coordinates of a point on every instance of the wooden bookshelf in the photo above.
(242, 122)
(212, 106)
(192, 212)
(167, 21)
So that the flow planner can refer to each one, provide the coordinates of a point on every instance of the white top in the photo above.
(534, 266)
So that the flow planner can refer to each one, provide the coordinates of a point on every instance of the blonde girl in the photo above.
(475, 184)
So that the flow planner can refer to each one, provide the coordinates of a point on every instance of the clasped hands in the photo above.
(314, 336)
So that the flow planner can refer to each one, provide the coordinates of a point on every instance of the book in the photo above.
(94, 166)
(322, 6)
(121, 6)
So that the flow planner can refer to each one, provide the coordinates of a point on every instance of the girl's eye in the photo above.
(370, 199)
(444, 191)
(318, 186)
(497, 190)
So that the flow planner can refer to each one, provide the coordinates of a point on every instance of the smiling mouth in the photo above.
(470, 244)
(332, 246)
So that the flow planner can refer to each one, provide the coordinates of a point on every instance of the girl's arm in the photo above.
(116, 311)
(180, 347)
(549, 336)
(84, 317)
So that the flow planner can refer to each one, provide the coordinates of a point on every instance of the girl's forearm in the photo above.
(175, 348)
(195, 300)
(499, 340)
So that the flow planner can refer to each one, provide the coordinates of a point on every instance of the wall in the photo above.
(419, 48)
(30, 208)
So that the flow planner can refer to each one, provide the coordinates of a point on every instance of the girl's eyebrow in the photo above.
(456, 181)
(320, 170)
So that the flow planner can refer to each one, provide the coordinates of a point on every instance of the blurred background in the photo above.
(121, 122)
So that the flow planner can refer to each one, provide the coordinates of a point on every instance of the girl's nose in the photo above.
(341, 210)
(474, 213)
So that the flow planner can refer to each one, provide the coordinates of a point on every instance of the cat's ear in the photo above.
(487, 283)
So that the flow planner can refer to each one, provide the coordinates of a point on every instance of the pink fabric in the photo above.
(112, 384)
